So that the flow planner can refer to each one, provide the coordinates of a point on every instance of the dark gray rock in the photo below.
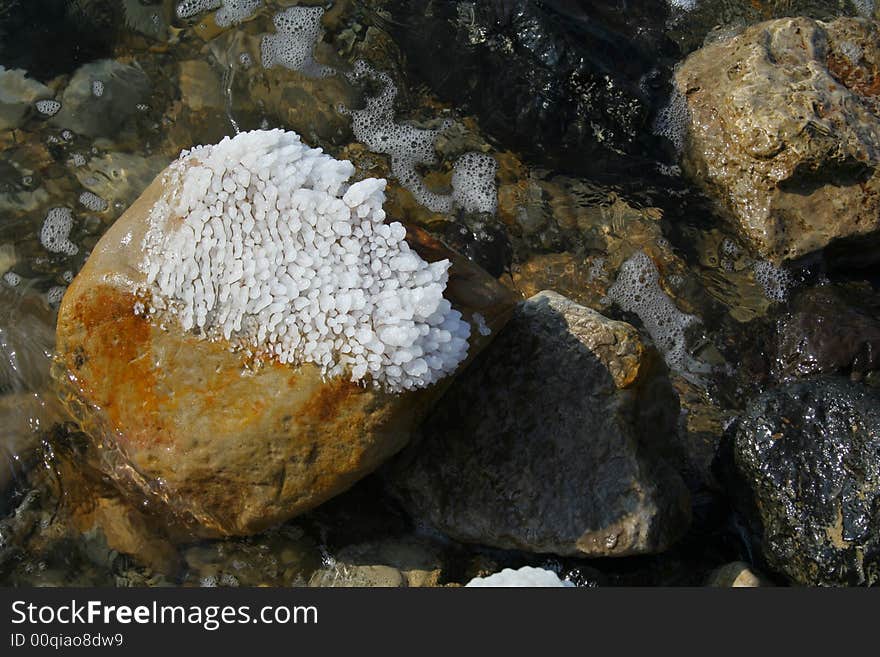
(810, 455)
(546, 442)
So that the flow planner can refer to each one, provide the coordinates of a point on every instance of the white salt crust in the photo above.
(293, 44)
(637, 290)
(277, 254)
(473, 176)
(54, 235)
(527, 576)
(48, 107)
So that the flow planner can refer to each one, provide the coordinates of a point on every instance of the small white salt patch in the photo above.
(637, 290)
(482, 327)
(54, 235)
(97, 88)
(48, 107)
(55, 294)
(527, 576)
(92, 202)
(278, 255)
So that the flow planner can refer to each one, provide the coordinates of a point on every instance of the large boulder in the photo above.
(809, 453)
(782, 129)
(546, 442)
(171, 357)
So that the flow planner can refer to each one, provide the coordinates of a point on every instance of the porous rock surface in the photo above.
(220, 438)
(810, 455)
(543, 444)
(783, 131)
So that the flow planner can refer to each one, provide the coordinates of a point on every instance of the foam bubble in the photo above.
(525, 576)
(190, 8)
(292, 46)
(408, 146)
(279, 255)
(48, 107)
(54, 235)
(55, 294)
(93, 202)
(671, 121)
(637, 290)
(97, 88)
(11, 279)
(775, 281)
(473, 182)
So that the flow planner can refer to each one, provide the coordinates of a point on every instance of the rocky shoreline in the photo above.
(667, 271)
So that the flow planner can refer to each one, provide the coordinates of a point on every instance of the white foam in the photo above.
(48, 107)
(292, 46)
(408, 146)
(190, 8)
(527, 576)
(55, 294)
(278, 255)
(54, 235)
(482, 327)
(12, 279)
(671, 121)
(864, 7)
(637, 290)
(97, 88)
(473, 182)
(93, 202)
(234, 12)
(775, 281)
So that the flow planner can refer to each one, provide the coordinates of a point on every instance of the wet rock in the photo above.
(736, 575)
(540, 445)
(418, 562)
(809, 454)
(100, 110)
(828, 330)
(783, 131)
(200, 85)
(562, 82)
(358, 576)
(217, 441)
(17, 94)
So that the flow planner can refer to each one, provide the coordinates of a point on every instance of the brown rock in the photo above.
(784, 131)
(221, 444)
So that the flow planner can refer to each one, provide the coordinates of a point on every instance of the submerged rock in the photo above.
(810, 455)
(172, 359)
(100, 97)
(544, 444)
(783, 131)
(17, 94)
(828, 330)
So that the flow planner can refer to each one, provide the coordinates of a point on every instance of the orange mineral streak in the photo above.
(114, 345)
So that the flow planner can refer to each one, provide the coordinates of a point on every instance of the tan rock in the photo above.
(783, 131)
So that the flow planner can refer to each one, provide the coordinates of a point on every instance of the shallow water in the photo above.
(593, 186)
